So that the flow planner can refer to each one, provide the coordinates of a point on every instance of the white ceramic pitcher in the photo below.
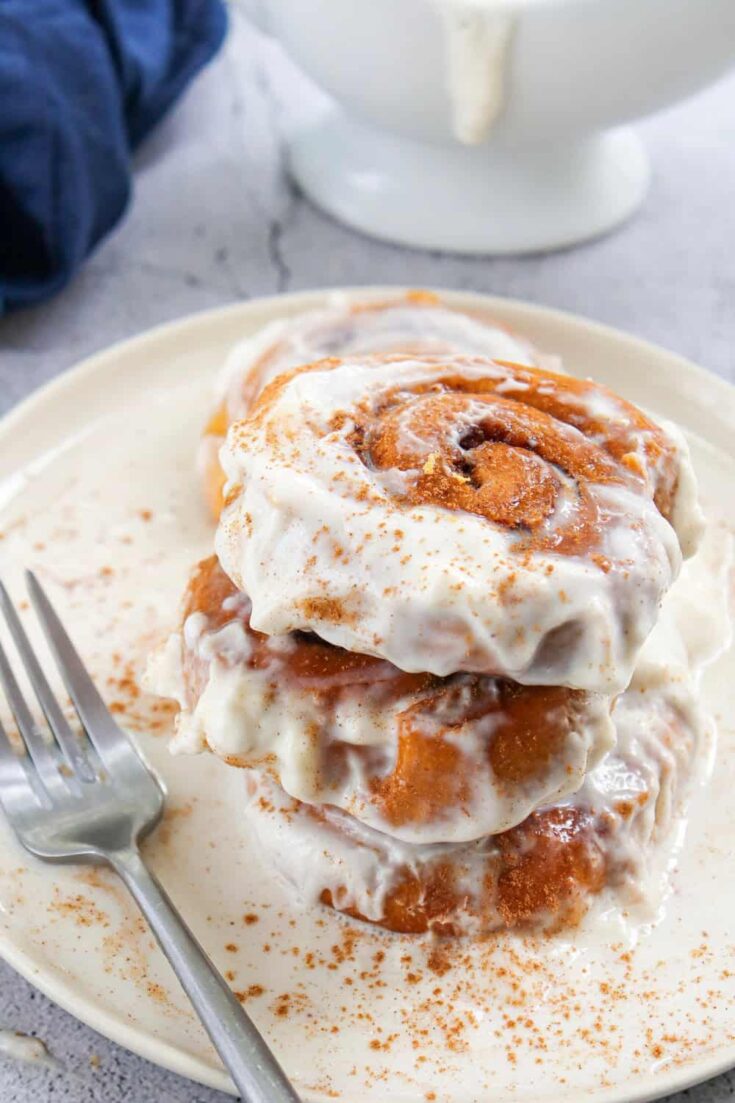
(490, 126)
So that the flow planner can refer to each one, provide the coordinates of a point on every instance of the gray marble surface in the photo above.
(215, 219)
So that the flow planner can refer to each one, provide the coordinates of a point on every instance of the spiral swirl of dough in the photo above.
(417, 322)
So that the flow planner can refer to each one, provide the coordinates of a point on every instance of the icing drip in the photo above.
(477, 41)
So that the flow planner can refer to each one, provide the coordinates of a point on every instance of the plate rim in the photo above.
(60, 991)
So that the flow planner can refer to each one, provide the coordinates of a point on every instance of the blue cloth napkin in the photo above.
(81, 83)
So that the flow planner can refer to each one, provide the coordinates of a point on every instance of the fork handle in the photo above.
(255, 1071)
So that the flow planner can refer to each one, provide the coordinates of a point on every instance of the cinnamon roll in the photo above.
(422, 758)
(542, 874)
(418, 322)
(455, 514)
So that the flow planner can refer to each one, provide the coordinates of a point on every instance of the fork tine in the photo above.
(39, 750)
(18, 795)
(112, 744)
(42, 753)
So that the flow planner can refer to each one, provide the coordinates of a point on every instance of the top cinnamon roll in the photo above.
(417, 322)
(451, 513)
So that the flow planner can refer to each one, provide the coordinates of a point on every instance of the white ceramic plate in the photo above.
(98, 494)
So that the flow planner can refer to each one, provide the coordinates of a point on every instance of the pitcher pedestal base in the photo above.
(494, 199)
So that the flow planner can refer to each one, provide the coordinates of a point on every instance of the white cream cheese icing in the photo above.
(250, 715)
(311, 520)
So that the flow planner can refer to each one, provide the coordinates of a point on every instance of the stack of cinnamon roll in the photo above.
(428, 635)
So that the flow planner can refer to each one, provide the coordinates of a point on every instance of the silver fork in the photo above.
(92, 799)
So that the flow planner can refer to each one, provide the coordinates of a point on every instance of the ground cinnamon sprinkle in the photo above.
(82, 909)
(439, 960)
(288, 1003)
(250, 993)
(125, 699)
(328, 609)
